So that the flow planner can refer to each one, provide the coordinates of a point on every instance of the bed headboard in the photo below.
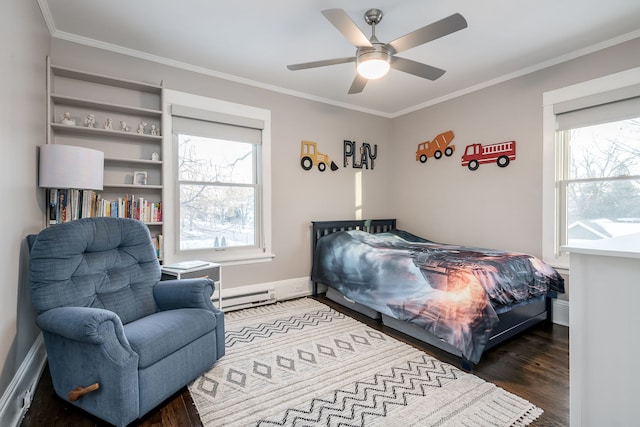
(324, 228)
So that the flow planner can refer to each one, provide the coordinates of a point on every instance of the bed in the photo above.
(463, 300)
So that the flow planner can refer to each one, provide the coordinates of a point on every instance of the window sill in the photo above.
(237, 259)
(224, 257)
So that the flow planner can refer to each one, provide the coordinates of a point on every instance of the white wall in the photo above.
(489, 207)
(24, 44)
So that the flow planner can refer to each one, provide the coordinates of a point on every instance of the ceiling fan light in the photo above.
(373, 65)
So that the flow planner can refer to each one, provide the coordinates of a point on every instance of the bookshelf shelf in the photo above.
(104, 106)
(123, 160)
(104, 80)
(133, 186)
(104, 133)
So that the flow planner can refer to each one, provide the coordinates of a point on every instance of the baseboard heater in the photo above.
(248, 300)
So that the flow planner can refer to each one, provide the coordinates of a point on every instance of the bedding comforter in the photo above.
(454, 292)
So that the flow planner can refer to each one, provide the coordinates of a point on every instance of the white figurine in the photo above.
(68, 120)
(108, 124)
(155, 156)
(141, 127)
(123, 126)
(154, 131)
(90, 121)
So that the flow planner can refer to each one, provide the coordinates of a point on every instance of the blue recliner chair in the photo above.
(119, 341)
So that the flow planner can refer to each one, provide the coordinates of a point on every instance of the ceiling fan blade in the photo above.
(347, 27)
(323, 63)
(448, 25)
(416, 68)
(358, 84)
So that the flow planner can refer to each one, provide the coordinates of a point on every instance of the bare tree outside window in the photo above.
(217, 186)
(603, 180)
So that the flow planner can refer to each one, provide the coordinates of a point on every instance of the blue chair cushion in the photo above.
(158, 335)
(106, 263)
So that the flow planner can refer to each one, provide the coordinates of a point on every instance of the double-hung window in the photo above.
(592, 189)
(221, 193)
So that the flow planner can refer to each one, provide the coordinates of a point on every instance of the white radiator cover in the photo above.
(248, 300)
(263, 293)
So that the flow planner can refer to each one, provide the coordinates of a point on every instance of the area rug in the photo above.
(301, 363)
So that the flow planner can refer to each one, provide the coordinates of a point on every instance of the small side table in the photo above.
(207, 270)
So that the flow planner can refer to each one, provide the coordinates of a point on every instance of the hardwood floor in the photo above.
(534, 366)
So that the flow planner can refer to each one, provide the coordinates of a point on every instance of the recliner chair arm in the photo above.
(85, 324)
(87, 346)
(184, 293)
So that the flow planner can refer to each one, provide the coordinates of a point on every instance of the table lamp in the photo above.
(68, 166)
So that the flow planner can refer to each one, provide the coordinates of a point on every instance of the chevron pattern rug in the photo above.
(301, 363)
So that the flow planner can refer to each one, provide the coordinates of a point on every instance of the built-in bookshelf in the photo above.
(121, 118)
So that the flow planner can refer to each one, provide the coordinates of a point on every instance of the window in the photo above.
(600, 181)
(218, 184)
(222, 184)
(591, 163)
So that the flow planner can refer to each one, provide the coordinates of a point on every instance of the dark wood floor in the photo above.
(534, 365)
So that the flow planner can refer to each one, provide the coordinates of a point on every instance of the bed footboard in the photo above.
(511, 324)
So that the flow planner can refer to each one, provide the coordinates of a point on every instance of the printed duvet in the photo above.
(454, 292)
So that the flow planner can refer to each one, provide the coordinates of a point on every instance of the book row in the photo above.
(70, 204)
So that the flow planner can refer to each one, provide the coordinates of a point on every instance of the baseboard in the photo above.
(560, 312)
(17, 397)
(284, 289)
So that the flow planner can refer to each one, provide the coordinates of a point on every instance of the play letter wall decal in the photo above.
(360, 161)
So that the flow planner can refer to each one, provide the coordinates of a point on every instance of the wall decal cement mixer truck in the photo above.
(310, 156)
(501, 153)
(437, 147)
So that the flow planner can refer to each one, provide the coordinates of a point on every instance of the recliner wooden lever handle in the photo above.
(80, 391)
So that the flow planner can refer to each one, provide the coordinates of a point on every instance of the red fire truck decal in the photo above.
(501, 153)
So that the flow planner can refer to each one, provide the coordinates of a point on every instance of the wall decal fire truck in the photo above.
(436, 147)
(501, 153)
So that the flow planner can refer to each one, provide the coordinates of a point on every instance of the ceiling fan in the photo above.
(374, 58)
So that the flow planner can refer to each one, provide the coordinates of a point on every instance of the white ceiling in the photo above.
(252, 41)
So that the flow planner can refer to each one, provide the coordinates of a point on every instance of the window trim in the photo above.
(551, 157)
(170, 193)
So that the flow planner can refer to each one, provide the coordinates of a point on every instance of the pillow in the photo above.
(409, 236)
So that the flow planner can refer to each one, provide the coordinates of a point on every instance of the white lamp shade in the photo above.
(68, 166)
